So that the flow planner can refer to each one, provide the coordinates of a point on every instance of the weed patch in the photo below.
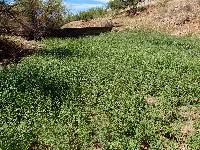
(126, 90)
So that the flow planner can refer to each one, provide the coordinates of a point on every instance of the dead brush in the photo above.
(13, 48)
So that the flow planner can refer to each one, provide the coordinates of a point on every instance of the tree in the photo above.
(7, 16)
(54, 15)
(43, 16)
(34, 18)
(30, 10)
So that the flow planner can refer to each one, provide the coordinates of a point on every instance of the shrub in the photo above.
(117, 4)
(87, 15)
(121, 4)
(32, 18)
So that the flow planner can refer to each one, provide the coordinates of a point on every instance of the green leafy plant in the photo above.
(120, 90)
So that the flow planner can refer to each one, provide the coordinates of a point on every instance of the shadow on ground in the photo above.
(79, 32)
(60, 53)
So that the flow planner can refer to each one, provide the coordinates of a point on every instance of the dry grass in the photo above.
(151, 100)
(177, 17)
(188, 129)
(191, 115)
(105, 22)
(190, 112)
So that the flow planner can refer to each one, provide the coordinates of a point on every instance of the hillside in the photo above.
(177, 17)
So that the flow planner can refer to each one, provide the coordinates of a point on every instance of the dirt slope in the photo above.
(99, 22)
(13, 48)
(178, 17)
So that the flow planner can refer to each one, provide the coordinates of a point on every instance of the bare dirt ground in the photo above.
(177, 17)
(99, 22)
(13, 48)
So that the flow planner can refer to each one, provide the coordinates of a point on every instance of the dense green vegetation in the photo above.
(115, 91)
